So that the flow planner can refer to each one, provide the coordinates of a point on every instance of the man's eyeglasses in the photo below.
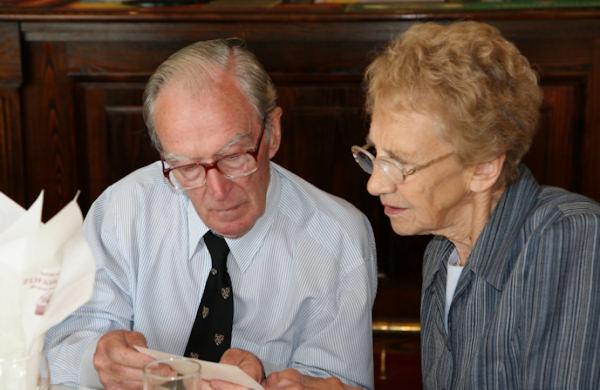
(392, 168)
(233, 166)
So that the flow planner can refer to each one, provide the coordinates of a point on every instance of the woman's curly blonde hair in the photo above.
(478, 84)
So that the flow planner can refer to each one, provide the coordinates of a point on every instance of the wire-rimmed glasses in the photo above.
(365, 159)
(233, 166)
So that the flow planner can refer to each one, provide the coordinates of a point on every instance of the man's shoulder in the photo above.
(303, 199)
(328, 226)
(138, 190)
(141, 180)
(148, 175)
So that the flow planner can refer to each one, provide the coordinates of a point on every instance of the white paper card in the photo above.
(211, 370)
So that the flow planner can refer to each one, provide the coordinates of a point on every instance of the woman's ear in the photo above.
(274, 123)
(486, 174)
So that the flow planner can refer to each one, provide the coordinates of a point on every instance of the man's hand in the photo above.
(244, 360)
(291, 379)
(118, 364)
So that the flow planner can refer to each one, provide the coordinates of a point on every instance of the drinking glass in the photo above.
(173, 373)
(25, 372)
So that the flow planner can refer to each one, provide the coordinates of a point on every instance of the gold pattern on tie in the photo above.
(225, 292)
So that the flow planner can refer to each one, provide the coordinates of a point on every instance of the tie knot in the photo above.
(217, 247)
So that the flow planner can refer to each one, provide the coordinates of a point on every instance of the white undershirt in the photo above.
(454, 271)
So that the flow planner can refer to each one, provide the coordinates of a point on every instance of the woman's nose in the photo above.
(380, 183)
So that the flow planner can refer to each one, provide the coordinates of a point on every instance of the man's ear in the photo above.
(486, 174)
(274, 123)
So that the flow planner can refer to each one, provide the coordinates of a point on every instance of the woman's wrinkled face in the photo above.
(434, 200)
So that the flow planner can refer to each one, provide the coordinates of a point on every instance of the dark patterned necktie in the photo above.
(211, 334)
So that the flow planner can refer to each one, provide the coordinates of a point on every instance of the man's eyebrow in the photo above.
(221, 152)
(233, 141)
(175, 157)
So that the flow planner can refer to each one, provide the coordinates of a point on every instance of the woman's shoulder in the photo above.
(559, 203)
(557, 209)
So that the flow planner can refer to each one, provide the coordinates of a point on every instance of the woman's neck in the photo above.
(474, 220)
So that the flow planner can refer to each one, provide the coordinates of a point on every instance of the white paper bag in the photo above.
(46, 272)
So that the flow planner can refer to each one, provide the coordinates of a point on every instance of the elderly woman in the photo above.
(511, 279)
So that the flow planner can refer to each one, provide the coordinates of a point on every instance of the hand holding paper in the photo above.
(212, 371)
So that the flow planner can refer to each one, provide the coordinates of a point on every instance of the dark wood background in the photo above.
(70, 112)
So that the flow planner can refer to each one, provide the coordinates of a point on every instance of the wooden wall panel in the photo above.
(51, 163)
(590, 140)
(11, 140)
(10, 54)
(11, 145)
(555, 156)
(319, 125)
(115, 141)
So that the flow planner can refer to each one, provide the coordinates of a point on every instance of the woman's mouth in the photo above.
(391, 210)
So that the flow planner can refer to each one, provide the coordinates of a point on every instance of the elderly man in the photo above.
(215, 246)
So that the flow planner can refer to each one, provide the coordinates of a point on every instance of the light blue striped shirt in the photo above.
(304, 279)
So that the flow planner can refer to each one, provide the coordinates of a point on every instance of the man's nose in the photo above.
(217, 184)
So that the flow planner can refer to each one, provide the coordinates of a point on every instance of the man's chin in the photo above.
(231, 229)
(233, 223)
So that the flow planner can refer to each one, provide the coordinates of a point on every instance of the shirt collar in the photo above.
(492, 250)
(243, 248)
(439, 249)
